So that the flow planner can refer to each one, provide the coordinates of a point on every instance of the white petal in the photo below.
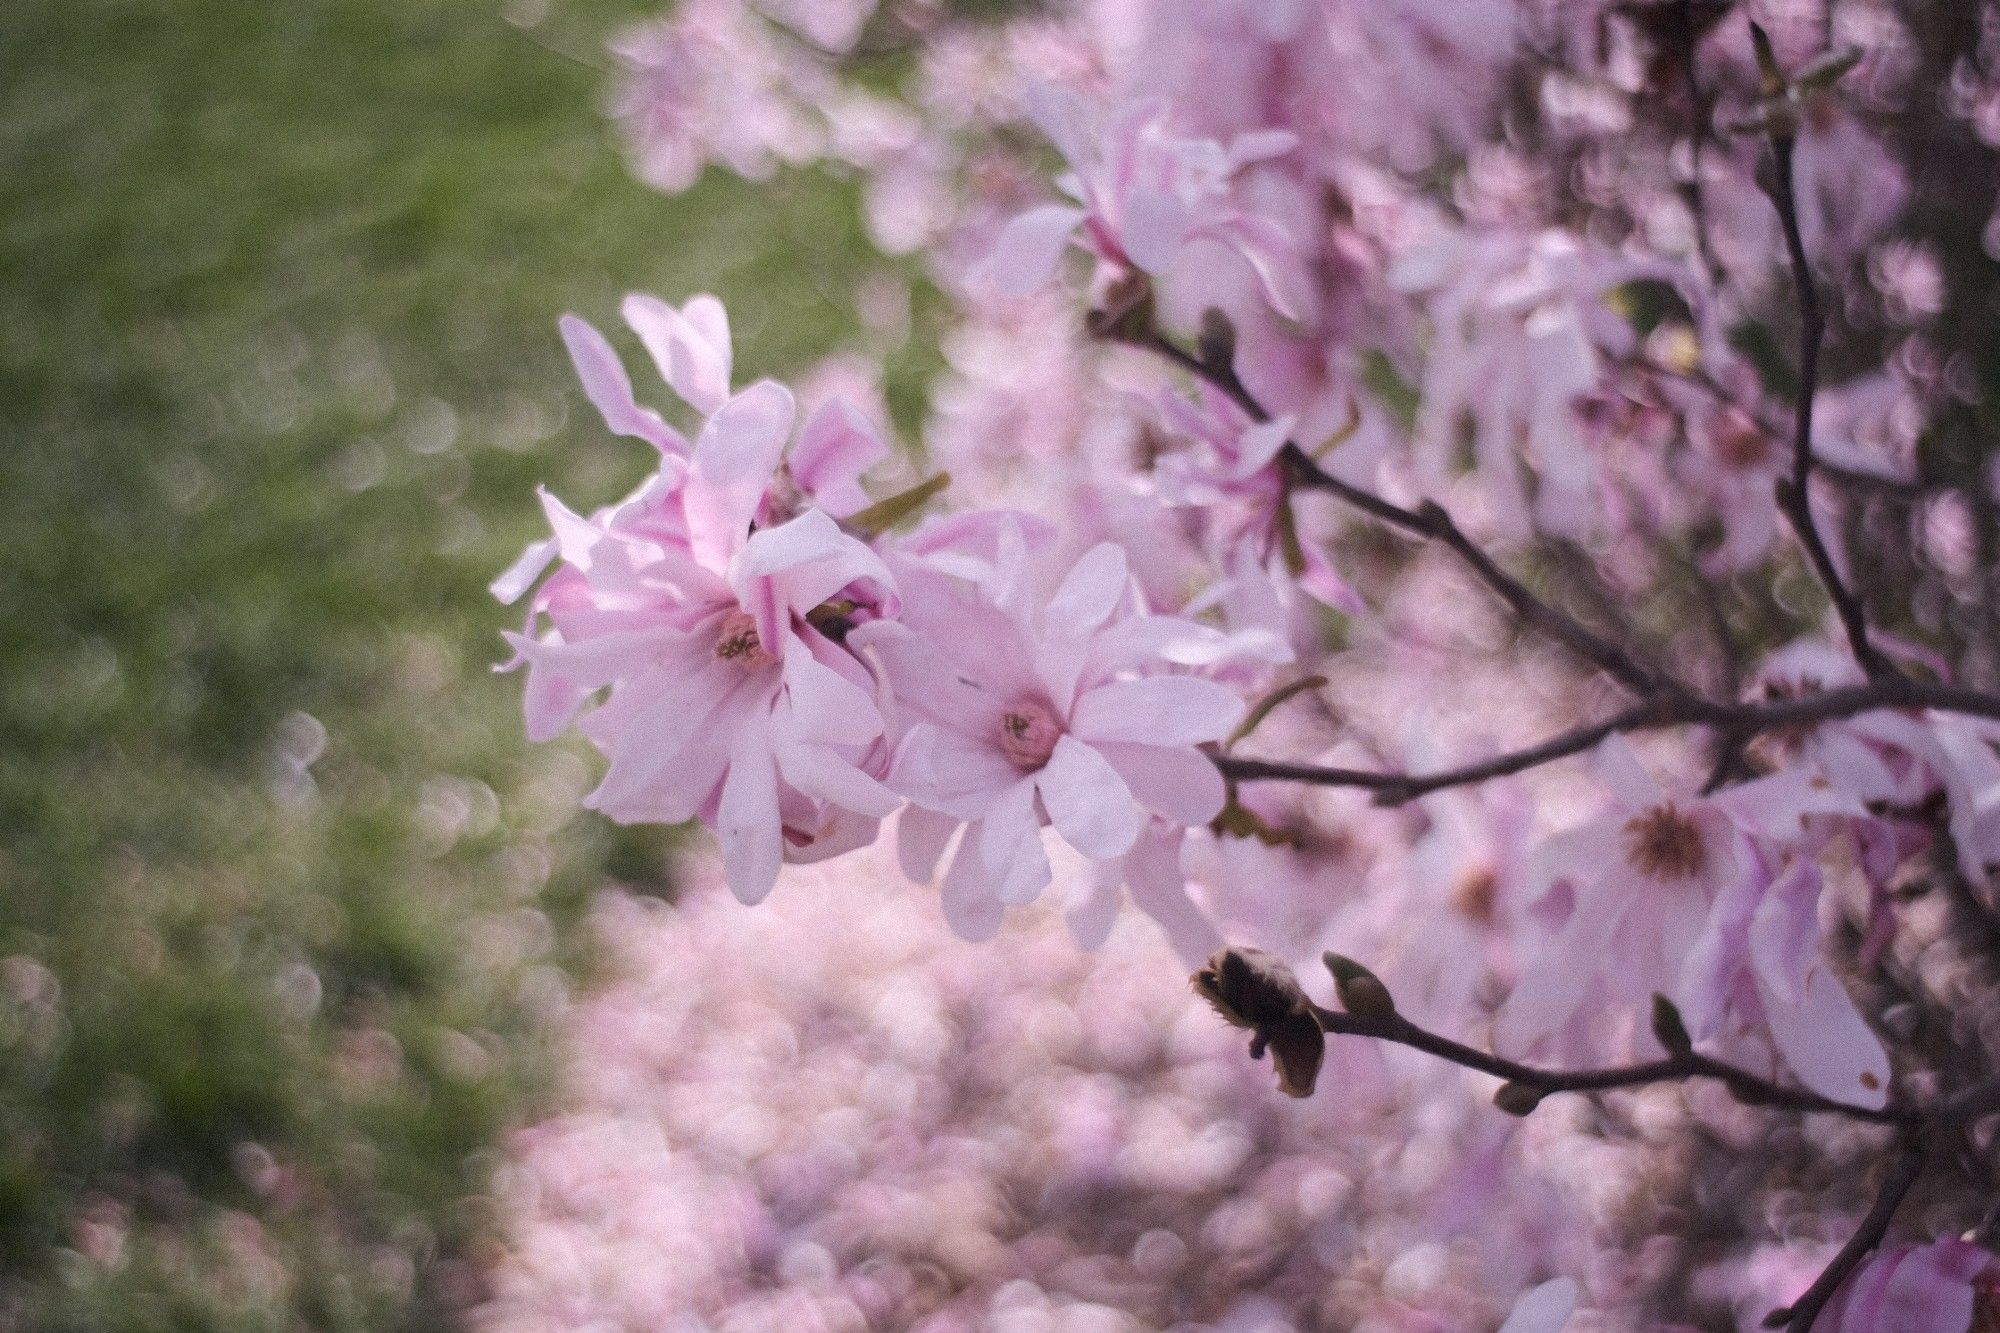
(748, 823)
(1158, 710)
(1179, 784)
(1028, 248)
(1088, 802)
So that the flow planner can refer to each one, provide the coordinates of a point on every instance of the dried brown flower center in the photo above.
(1665, 844)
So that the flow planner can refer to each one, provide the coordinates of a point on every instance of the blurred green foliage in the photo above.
(285, 899)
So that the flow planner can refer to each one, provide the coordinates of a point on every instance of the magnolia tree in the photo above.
(1476, 518)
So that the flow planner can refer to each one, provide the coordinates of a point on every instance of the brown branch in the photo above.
(1744, 1085)
(1397, 788)
(1903, 1171)
(1794, 493)
(1738, 723)
(1428, 522)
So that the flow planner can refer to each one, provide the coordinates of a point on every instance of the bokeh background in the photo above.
(288, 909)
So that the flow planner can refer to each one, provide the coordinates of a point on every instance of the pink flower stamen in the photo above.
(736, 641)
(1029, 731)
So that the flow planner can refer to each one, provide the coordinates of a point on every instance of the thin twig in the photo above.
(1738, 724)
(1794, 495)
(1903, 1171)
(1746, 1086)
(1430, 522)
(1397, 788)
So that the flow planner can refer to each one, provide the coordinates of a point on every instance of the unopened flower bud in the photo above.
(1217, 340)
(1253, 990)
(1669, 1029)
(1518, 1098)
(1361, 991)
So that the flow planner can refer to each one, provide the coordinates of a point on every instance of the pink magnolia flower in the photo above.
(1229, 476)
(1759, 969)
(1672, 895)
(1019, 709)
(726, 701)
(1934, 1288)
(1142, 195)
(716, 83)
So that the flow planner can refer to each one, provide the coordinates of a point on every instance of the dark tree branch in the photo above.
(1744, 1085)
(1738, 723)
(1397, 788)
(1429, 522)
(1794, 497)
(1904, 1169)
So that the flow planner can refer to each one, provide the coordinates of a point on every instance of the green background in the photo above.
(278, 375)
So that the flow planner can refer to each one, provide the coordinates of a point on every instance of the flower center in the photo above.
(736, 641)
(1028, 733)
(1741, 445)
(784, 499)
(1665, 844)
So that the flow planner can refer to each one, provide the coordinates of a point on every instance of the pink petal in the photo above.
(921, 836)
(1159, 889)
(1158, 710)
(1091, 590)
(1152, 225)
(690, 347)
(644, 733)
(609, 388)
(1543, 1309)
(1028, 248)
(747, 823)
(823, 775)
(836, 447)
(523, 573)
(967, 896)
(828, 708)
(734, 459)
(1826, 1043)
(1179, 784)
(1093, 907)
(1010, 844)
(1088, 802)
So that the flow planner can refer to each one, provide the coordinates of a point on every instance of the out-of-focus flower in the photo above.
(1942, 1287)
(1142, 195)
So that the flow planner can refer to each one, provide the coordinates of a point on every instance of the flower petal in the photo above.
(748, 822)
(609, 388)
(1178, 783)
(690, 346)
(1158, 710)
(1028, 248)
(1088, 802)
(734, 459)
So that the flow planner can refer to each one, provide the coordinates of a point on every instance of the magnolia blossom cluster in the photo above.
(1383, 497)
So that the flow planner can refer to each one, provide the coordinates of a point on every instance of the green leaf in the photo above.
(1826, 69)
(879, 517)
